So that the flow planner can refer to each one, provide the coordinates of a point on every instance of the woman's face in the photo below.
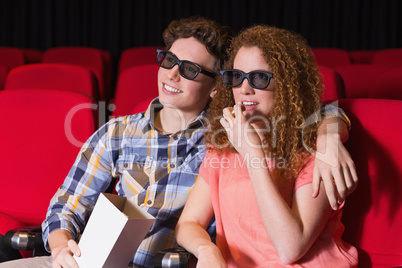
(257, 102)
(175, 91)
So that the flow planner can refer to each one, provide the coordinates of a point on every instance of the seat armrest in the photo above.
(26, 238)
(174, 258)
(7, 253)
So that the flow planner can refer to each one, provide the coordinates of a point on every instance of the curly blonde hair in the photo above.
(297, 96)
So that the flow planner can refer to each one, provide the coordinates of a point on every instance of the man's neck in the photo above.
(173, 120)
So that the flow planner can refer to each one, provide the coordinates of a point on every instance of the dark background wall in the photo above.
(115, 25)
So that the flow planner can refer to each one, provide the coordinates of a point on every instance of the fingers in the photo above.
(350, 180)
(338, 175)
(349, 171)
(226, 118)
(233, 112)
(71, 262)
(331, 190)
(227, 113)
(64, 258)
(355, 179)
(339, 183)
(74, 248)
(316, 181)
(238, 109)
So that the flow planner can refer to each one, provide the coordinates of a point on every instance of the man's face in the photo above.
(175, 91)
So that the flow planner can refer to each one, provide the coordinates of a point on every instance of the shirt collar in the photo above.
(155, 106)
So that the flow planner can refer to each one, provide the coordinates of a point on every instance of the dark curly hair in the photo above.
(297, 95)
(214, 36)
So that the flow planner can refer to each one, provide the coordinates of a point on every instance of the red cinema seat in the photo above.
(333, 84)
(53, 76)
(137, 56)
(134, 85)
(3, 76)
(331, 57)
(373, 213)
(358, 78)
(40, 141)
(33, 55)
(142, 106)
(389, 57)
(107, 59)
(90, 58)
(362, 56)
(11, 57)
(388, 85)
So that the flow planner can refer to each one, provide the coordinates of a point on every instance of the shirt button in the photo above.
(149, 202)
(175, 137)
(172, 165)
(125, 165)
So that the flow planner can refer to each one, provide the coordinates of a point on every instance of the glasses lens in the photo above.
(259, 80)
(232, 78)
(160, 57)
(165, 59)
(188, 70)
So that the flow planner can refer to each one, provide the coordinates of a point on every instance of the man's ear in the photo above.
(213, 92)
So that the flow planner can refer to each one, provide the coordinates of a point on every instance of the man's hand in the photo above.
(63, 248)
(333, 163)
(63, 256)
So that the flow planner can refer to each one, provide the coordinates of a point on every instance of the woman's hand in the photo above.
(240, 132)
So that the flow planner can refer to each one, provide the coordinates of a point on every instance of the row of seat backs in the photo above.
(139, 83)
(11, 57)
(330, 57)
(53, 76)
(352, 83)
(136, 73)
(363, 74)
(98, 61)
(136, 85)
(371, 81)
(333, 57)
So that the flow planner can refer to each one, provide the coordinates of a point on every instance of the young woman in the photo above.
(257, 175)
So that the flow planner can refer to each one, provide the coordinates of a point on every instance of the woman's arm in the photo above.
(191, 227)
(293, 230)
